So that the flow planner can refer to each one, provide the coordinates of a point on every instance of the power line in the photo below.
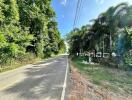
(78, 2)
(79, 11)
(78, 8)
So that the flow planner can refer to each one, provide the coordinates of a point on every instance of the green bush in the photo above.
(128, 59)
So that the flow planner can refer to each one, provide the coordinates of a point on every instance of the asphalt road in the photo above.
(41, 81)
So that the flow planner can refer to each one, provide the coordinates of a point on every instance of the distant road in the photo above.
(42, 81)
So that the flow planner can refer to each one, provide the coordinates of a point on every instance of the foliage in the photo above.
(128, 59)
(27, 26)
(103, 34)
(128, 47)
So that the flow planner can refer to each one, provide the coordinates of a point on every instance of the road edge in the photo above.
(65, 81)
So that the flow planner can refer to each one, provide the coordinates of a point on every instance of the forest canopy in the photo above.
(28, 27)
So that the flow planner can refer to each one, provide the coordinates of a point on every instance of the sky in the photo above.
(65, 12)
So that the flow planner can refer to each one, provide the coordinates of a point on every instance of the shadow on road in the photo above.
(42, 81)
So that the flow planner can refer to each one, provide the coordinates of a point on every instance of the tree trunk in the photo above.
(103, 47)
(110, 45)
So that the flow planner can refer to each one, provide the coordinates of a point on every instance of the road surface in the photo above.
(42, 81)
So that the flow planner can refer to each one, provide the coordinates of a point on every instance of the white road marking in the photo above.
(65, 81)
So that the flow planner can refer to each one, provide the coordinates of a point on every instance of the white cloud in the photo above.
(63, 2)
(129, 1)
(116, 1)
(119, 1)
(100, 1)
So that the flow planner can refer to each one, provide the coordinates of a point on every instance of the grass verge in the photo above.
(17, 64)
(109, 78)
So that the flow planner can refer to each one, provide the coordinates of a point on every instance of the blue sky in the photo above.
(65, 12)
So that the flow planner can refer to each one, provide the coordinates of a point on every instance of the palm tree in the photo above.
(111, 19)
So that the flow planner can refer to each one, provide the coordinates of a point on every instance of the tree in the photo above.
(25, 27)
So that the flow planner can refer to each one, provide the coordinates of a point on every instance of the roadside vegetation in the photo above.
(28, 31)
(116, 80)
(110, 33)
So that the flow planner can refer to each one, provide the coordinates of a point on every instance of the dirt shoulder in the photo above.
(83, 89)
